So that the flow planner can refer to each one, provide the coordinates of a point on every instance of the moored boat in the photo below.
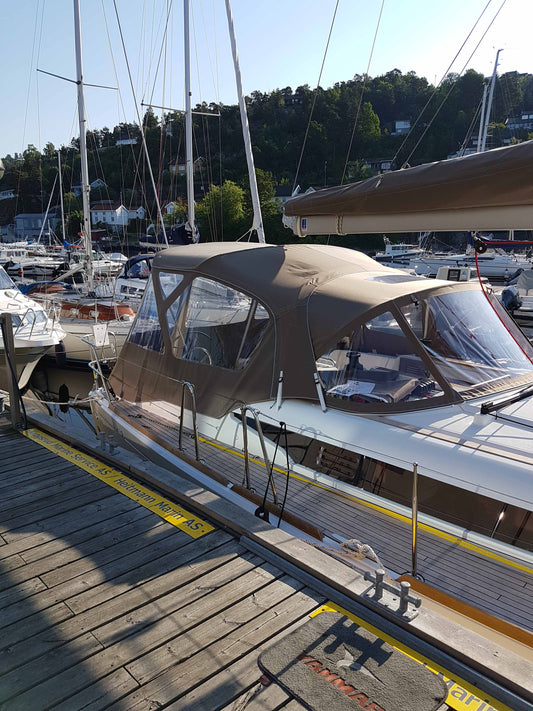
(34, 333)
(367, 370)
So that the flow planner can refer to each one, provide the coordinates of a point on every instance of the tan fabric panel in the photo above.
(501, 178)
(487, 219)
(310, 291)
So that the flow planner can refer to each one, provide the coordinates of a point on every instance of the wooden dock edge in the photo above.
(484, 618)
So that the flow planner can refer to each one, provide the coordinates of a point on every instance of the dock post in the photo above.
(11, 374)
(414, 519)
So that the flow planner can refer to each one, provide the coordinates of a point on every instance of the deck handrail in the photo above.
(190, 387)
(23, 321)
(269, 466)
(96, 367)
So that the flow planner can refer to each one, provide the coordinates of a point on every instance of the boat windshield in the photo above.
(468, 342)
(5, 280)
(465, 340)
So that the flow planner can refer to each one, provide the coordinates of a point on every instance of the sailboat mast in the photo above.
(83, 150)
(61, 196)
(258, 219)
(482, 119)
(489, 103)
(188, 121)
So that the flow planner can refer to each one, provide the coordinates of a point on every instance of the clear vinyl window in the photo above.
(146, 330)
(467, 340)
(376, 363)
(222, 327)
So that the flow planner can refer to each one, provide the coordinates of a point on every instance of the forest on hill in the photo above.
(306, 137)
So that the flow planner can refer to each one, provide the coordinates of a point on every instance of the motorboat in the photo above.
(34, 333)
(517, 298)
(131, 280)
(399, 253)
(368, 370)
(494, 264)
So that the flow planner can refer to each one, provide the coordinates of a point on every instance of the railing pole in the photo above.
(414, 529)
(190, 387)
(181, 414)
(12, 386)
(246, 481)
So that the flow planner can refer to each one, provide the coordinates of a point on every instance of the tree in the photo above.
(220, 214)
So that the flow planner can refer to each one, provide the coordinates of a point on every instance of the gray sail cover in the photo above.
(484, 191)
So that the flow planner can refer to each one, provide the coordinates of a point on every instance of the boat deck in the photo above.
(495, 584)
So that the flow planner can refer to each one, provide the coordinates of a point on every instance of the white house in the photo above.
(126, 142)
(98, 183)
(401, 128)
(114, 214)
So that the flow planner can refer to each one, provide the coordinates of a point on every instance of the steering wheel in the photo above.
(203, 355)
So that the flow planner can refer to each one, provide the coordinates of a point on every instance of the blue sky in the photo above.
(280, 42)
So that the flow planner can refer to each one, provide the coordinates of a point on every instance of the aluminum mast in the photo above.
(83, 152)
(258, 220)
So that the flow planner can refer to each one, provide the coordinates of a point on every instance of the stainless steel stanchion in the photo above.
(414, 519)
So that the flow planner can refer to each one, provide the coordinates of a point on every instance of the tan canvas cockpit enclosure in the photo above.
(234, 318)
(480, 192)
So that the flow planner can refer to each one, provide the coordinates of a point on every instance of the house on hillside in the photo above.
(378, 165)
(524, 122)
(29, 225)
(114, 214)
(401, 128)
(179, 167)
(98, 183)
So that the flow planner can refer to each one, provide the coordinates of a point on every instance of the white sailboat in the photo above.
(83, 314)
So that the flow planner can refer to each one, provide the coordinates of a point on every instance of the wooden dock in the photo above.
(106, 605)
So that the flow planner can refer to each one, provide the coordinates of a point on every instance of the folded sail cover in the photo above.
(485, 191)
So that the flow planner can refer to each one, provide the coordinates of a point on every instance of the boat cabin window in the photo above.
(376, 363)
(146, 331)
(222, 327)
(138, 270)
(5, 280)
(467, 341)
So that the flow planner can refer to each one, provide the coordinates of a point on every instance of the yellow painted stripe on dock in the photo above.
(166, 509)
(462, 696)
(387, 512)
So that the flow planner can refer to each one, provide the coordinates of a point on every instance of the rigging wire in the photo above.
(362, 92)
(140, 122)
(452, 87)
(445, 74)
(25, 123)
(315, 98)
(136, 161)
(470, 130)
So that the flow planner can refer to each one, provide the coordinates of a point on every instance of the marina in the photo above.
(262, 465)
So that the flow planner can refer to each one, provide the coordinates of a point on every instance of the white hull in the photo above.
(490, 266)
(77, 352)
